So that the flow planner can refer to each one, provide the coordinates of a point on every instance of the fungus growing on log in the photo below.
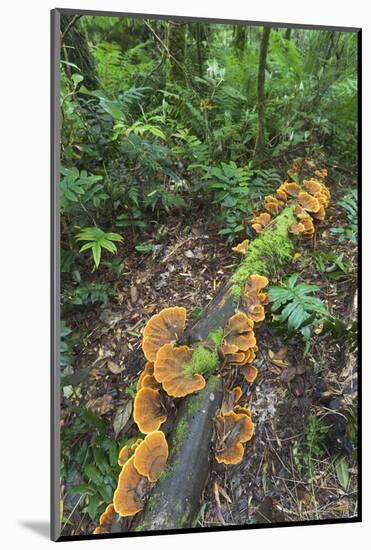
(148, 369)
(309, 228)
(100, 530)
(305, 228)
(291, 188)
(151, 455)
(148, 410)
(322, 199)
(127, 451)
(249, 372)
(321, 173)
(296, 228)
(255, 283)
(163, 328)
(170, 371)
(320, 215)
(252, 299)
(241, 248)
(108, 516)
(232, 431)
(272, 205)
(301, 212)
(258, 223)
(106, 520)
(281, 194)
(149, 381)
(239, 338)
(237, 324)
(242, 410)
(132, 488)
(308, 202)
(312, 186)
(237, 391)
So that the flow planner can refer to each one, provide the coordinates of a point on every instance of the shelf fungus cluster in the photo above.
(234, 427)
(142, 463)
(311, 198)
(166, 373)
(141, 467)
(106, 521)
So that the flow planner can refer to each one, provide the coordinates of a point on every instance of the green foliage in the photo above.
(66, 347)
(342, 332)
(98, 239)
(148, 247)
(306, 454)
(299, 309)
(80, 190)
(89, 293)
(93, 461)
(229, 186)
(264, 182)
(350, 204)
(332, 266)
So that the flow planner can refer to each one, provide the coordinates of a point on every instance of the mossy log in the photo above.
(175, 500)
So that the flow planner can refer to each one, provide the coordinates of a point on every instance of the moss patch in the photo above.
(267, 253)
(205, 357)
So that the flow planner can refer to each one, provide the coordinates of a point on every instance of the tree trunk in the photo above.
(239, 39)
(259, 151)
(176, 43)
(175, 500)
(288, 33)
(75, 49)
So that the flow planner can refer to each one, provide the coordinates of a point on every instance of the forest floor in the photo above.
(272, 483)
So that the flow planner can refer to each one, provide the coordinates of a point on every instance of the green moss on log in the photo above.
(205, 357)
(270, 251)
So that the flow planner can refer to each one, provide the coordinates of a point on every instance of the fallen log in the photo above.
(175, 500)
(174, 504)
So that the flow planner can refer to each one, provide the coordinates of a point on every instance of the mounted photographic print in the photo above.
(204, 274)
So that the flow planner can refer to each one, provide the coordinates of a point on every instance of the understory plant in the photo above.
(297, 307)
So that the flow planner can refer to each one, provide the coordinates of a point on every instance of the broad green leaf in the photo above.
(342, 471)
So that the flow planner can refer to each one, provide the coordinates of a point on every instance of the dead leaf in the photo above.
(114, 367)
(133, 294)
(288, 375)
(279, 358)
(101, 405)
(122, 417)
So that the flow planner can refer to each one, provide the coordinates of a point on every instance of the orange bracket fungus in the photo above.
(291, 188)
(106, 520)
(100, 530)
(126, 452)
(232, 431)
(148, 369)
(253, 300)
(163, 328)
(258, 223)
(242, 247)
(308, 202)
(148, 410)
(170, 371)
(131, 491)
(312, 186)
(151, 456)
(272, 205)
(249, 372)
